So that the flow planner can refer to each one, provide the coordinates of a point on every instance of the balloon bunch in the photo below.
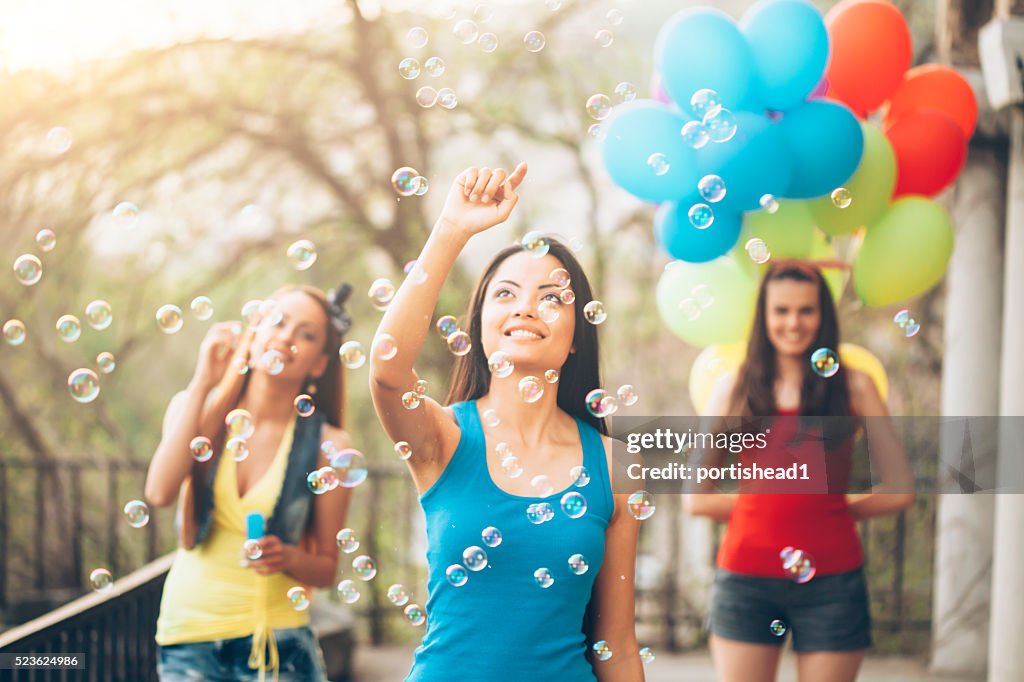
(775, 136)
(762, 133)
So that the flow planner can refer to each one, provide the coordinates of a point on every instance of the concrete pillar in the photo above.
(1006, 654)
(970, 387)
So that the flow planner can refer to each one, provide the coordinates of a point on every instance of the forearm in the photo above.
(624, 665)
(173, 459)
(717, 506)
(407, 318)
(312, 569)
(867, 505)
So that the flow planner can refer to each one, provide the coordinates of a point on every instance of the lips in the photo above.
(523, 333)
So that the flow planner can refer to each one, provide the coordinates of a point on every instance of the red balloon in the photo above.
(871, 50)
(933, 87)
(930, 151)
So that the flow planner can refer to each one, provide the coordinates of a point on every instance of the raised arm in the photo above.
(172, 460)
(478, 199)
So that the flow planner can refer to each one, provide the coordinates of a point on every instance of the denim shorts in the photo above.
(227, 660)
(828, 613)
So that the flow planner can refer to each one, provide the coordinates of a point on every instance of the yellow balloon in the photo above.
(856, 357)
(713, 363)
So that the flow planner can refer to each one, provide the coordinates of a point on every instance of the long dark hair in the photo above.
(580, 374)
(754, 391)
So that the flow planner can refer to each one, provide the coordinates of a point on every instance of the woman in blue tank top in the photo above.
(531, 556)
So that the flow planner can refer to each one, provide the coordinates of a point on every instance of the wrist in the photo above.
(200, 385)
(450, 230)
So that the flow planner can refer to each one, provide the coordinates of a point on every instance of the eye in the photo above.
(552, 296)
(503, 292)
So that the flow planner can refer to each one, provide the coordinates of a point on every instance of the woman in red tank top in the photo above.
(760, 592)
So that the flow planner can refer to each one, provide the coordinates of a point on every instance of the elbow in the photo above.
(157, 497)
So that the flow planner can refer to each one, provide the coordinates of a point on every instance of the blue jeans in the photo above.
(227, 660)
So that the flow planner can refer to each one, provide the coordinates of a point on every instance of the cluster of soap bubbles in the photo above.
(907, 323)
(412, 399)
(600, 404)
(797, 564)
(347, 469)
(599, 106)
(407, 181)
(509, 462)
(714, 122)
(459, 342)
(540, 512)
(701, 298)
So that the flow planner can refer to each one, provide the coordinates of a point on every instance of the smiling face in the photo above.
(792, 315)
(510, 319)
(299, 333)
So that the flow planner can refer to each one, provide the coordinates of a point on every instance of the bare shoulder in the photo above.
(865, 399)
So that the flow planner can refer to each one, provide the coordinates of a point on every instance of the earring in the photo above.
(311, 389)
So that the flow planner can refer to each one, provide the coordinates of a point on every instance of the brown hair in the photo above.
(580, 374)
(754, 391)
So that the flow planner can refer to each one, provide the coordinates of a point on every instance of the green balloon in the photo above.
(870, 187)
(835, 278)
(905, 252)
(787, 233)
(707, 303)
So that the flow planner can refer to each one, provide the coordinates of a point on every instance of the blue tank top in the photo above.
(501, 625)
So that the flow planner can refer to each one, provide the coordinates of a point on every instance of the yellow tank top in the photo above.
(210, 594)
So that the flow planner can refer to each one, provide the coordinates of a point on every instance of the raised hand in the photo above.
(224, 341)
(481, 198)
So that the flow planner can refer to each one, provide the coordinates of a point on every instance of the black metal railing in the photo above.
(385, 515)
(113, 632)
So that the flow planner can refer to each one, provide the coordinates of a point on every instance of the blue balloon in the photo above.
(790, 48)
(825, 143)
(753, 163)
(678, 236)
(636, 131)
(703, 48)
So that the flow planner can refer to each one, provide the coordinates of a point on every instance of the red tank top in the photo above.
(762, 524)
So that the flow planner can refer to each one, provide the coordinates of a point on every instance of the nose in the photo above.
(526, 309)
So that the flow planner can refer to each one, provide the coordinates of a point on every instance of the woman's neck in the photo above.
(531, 421)
(268, 400)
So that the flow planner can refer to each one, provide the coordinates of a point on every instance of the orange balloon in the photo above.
(871, 50)
(933, 87)
(930, 151)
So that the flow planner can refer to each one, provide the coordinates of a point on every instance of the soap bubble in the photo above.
(578, 564)
(201, 448)
(28, 269)
(604, 37)
(695, 134)
(169, 319)
(711, 188)
(302, 254)
(434, 66)
(348, 591)
(534, 41)
(601, 650)
(46, 239)
(466, 31)
(101, 580)
(299, 598)
(705, 102)
(543, 578)
(202, 308)
(364, 567)
(69, 329)
(641, 505)
(137, 513)
(841, 197)
(14, 332)
(409, 68)
(83, 385)
(352, 355)
(398, 595)
(457, 575)
(825, 362)
(417, 37)
(599, 107)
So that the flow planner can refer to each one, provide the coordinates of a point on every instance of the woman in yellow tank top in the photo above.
(228, 614)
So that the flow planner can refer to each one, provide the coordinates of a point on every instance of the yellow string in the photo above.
(263, 636)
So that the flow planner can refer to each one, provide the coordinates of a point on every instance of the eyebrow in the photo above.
(516, 284)
(308, 325)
